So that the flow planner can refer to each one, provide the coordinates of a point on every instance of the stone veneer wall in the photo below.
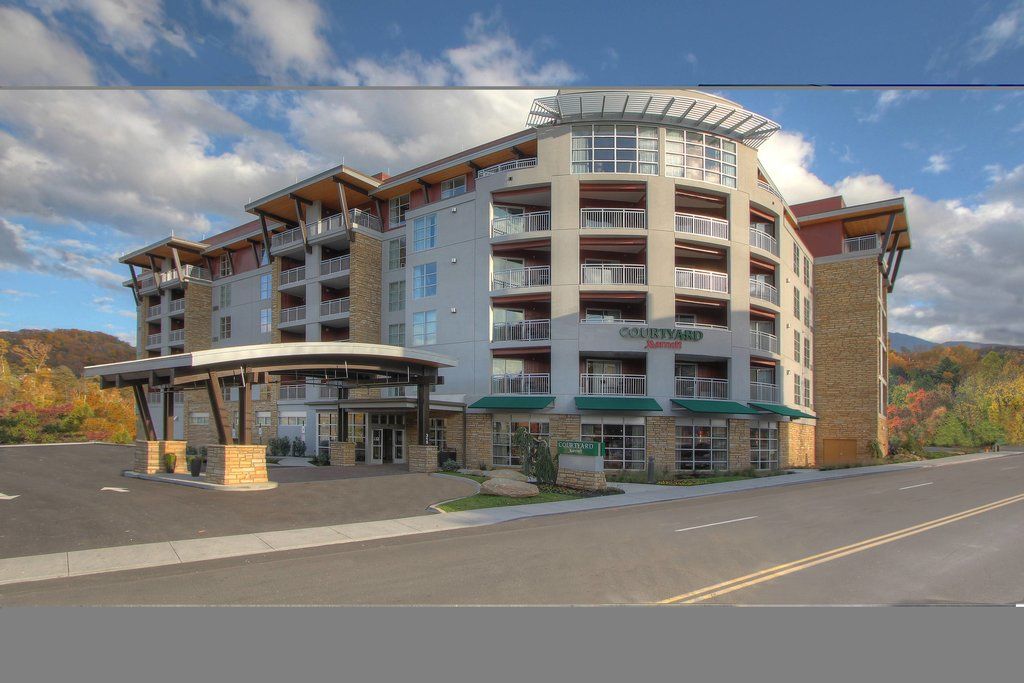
(661, 442)
(365, 289)
(453, 436)
(796, 445)
(578, 479)
(739, 444)
(421, 458)
(846, 354)
(478, 440)
(236, 464)
(149, 456)
(343, 453)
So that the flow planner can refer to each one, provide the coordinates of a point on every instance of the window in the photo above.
(396, 296)
(796, 257)
(225, 265)
(396, 334)
(702, 445)
(264, 254)
(262, 419)
(286, 420)
(602, 315)
(257, 390)
(326, 431)
(424, 328)
(453, 187)
(424, 232)
(397, 206)
(807, 391)
(797, 389)
(807, 352)
(807, 311)
(624, 438)
(436, 434)
(796, 303)
(504, 429)
(265, 287)
(199, 419)
(224, 296)
(764, 445)
(807, 271)
(225, 327)
(700, 156)
(424, 281)
(615, 148)
(396, 253)
(229, 393)
(796, 346)
(264, 321)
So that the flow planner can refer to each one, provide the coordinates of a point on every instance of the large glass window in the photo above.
(807, 391)
(503, 431)
(796, 303)
(797, 387)
(357, 433)
(764, 445)
(225, 268)
(424, 280)
(453, 187)
(615, 148)
(807, 311)
(225, 296)
(702, 445)
(624, 438)
(265, 322)
(396, 253)
(396, 296)
(225, 327)
(807, 271)
(796, 257)
(424, 328)
(700, 156)
(424, 231)
(396, 334)
(436, 434)
(796, 345)
(326, 431)
(264, 287)
(397, 206)
(807, 352)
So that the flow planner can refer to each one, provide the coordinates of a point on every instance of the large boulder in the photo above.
(508, 487)
(506, 474)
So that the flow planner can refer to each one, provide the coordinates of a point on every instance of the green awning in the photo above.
(616, 403)
(514, 402)
(782, 410)
(703, 406)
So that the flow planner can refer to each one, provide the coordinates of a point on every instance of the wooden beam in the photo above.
(243, 411)
(518, 152)
(155, 270)
(266, 236)
(426, 186)
(213, 391)
(885, 243)
(473, 165)
(895, 269)
(423, 412)
(355, 188)
(344, 208)
(302, 224)
(142, 405)
(280, 219)
(135, 285)
(177, 265)
(255, 251)
(300, 198)
(168, 416)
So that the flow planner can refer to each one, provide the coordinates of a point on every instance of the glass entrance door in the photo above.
(398, 445)
(376, 446)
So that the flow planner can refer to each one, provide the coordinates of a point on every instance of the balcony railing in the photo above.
(532, 383)
(294, 314)
(153, 311)
(763, 392)
(613, 385)
(176, 337)
(763, 341)
(293, 275)
(332, 266)
(189, 272)
(176, 306)
(507, 166)
(853, 245)
(762, 240)
(147, 282)
(699, 325)
(764, 291)
(702, 225)
(767, 186)
(604, 320)
(613, 219)
(334, 307)
(612, 274)
(701, 387)
(292, 392)
(286, 238)
(705, 280)
(531, 276)
(153, 339)
(521, 330)
(526, 222)
(362, 219)
(327, 392)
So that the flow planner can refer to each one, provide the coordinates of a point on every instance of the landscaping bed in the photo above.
(548, 494)
(691, 479)
(716, 479)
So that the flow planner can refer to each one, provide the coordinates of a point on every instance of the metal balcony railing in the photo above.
(762, 240)
(602, 320)
(698, 325)
(531, 383)
(704, 226)
(292, 392)
(767, 186)
(176, 337)
(612, 274)
(334, 307)
(853, 245)
(333, 266)
(613, 219)
(531, 276)
(533, 221)
(362, 219)
(189, 272)
(176, 306)
(763, 391)
(507, 166)
(147, 282)
(153, 311)
(293, 275)
(764, 291)
(521, 330)
(763, 341)
(286, 238)
(705, 280)
(327, 392)
(613, 385)
(701, 387)
(153, 339)
(294, 314)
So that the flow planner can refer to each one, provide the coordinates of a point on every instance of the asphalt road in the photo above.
(639, 554)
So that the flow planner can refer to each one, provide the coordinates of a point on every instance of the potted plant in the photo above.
(195, 464)
(170, 460)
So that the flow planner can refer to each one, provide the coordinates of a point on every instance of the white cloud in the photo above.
(17, 293)
(26, 250)
(32, 54)
(1006, 32)
(889, 99)
(937, 163)
(787, 157)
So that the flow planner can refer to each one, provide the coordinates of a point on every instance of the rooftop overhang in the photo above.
(281, 206)
(870, 219)
(188, 252)
(712, 115)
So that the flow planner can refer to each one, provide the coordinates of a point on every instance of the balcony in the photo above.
(362, 219)
(768, 188)
(858, 245)
(763, 392)
(153, 340)
(516, 278)
(763, 291)
(292, 392)
(189, 272)
(763, 341)
(692, 224)
(147, 282)
(762, 240)
(703, 280)
(513, 165)
(335, 266)
(288, 239)
(176, 306)
(295, 314)
(153, 311)
(610, 320)
(701, 387)
(535, 221)
(327, 392)
(176, 337)
(612, 274)
(521, 330)
(533, 383)
(613, 219)
(333, 307)
(613, 385)
(292, 276)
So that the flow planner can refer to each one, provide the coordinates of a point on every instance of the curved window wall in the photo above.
(700, 156)
(615, 148)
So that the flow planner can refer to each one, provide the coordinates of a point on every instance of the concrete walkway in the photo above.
(101, 560)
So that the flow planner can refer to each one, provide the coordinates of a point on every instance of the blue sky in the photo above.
(85, 175)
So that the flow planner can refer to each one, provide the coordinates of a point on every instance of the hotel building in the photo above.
(623, 270)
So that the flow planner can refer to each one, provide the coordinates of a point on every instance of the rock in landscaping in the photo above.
(506, 474)
(508, 487)
(477, 473)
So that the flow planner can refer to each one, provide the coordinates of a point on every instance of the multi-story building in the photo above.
(623, 270)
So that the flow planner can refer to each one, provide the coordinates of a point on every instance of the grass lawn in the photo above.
(480, 501)
(474, 477)
(699, 481)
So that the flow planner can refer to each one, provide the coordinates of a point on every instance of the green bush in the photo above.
(170, 460)
(450, 466)
(545, 467)
(298, 448)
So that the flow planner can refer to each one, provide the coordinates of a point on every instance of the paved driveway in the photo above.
(60, 504)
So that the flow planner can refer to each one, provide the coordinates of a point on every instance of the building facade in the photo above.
(623, 271)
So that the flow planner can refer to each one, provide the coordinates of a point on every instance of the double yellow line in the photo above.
(777, 571)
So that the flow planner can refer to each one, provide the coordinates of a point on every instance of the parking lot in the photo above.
(61, 504)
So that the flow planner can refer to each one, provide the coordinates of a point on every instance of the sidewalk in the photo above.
(119, 558)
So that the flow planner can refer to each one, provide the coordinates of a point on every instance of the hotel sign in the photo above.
(661, 337)
(595, 448)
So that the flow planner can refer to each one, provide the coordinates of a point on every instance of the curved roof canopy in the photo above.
(719, 117)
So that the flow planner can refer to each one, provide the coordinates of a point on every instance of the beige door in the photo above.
(838, 452)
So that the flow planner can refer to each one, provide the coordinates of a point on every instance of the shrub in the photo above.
(170, 460)
(450, 466)
(298, 448)
(545, 467)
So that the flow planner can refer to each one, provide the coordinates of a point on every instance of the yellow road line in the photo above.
(777, 571)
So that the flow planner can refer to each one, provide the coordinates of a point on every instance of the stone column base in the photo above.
(231, 465)
(343, 453)
(421, 458)
(579, 479)
(149, 456)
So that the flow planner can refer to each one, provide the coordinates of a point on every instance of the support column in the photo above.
(243, 412)
(213, 391)
(168, 416)
(422, 412)
(236, 464)
(142, 405)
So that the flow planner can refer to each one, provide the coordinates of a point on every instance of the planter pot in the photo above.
(195, 465)
(169, 464)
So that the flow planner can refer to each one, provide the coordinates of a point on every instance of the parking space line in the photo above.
(728, 521)
(927, 483)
